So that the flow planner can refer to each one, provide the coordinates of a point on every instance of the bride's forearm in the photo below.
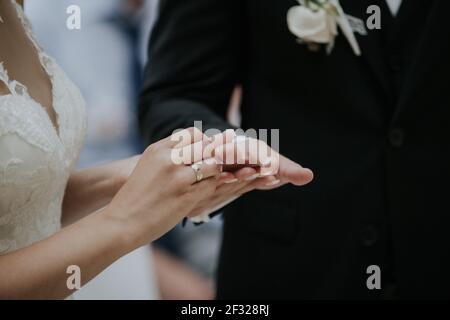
(91, 189)
(39, 271)
(87, 191)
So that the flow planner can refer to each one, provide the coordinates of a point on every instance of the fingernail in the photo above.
(265, 162)
(273, 183)
(231, 181)
(266, 174)
(253, 177)
(230, 131)
(238, 139)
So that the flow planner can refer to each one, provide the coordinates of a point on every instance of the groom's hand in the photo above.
(248, 164)
(289, 172)
(242, 152)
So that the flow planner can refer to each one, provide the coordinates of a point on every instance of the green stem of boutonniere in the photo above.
(316, 2)
(313, 4)
(323, 4)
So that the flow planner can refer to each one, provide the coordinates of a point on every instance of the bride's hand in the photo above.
(159, 193)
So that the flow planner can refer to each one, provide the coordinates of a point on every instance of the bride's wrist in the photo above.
(120, 171)
(124, 231)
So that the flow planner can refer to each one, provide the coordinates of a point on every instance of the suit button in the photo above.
(397, 137)
(395, 63)
(369, 236)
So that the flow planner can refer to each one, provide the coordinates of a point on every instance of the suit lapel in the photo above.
(395, 26)
(372, 43)
(396, 33)
(427, 49)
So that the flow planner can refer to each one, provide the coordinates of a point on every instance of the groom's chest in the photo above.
(267, 18)
(418, 30)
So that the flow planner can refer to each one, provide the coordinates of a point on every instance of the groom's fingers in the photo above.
(271, 162)
(294, 173)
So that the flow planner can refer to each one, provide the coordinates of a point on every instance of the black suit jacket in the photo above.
(374, 129)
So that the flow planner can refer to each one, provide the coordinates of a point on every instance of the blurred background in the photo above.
(105, 58)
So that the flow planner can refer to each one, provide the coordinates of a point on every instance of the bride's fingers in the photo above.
(185, 138)
(245, 151)
(228, 189)
(265, 183)
(232, 154)
(204, 189)
(191, 153)
(272, 165)
(227, 178)
(242, 175)
(204, 170)
(225, 193)
(216, 141)
(223, 138)
(247, 174)
(234, 190)
(210, 168)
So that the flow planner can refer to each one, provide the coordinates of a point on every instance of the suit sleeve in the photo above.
(194, 63)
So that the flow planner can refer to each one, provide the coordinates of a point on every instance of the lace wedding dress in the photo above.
(36, 157)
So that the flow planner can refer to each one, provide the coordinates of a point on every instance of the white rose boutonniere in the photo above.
(316, 22)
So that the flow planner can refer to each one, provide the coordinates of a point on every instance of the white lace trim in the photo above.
(46, 61)
(14, 87)
(63, 115)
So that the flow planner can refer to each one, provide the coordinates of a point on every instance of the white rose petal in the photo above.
(318, 24)
(311, 26)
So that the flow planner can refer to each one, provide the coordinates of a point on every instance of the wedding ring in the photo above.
(197, 167)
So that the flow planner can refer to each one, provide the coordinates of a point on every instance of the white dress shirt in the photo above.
(394, 6)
